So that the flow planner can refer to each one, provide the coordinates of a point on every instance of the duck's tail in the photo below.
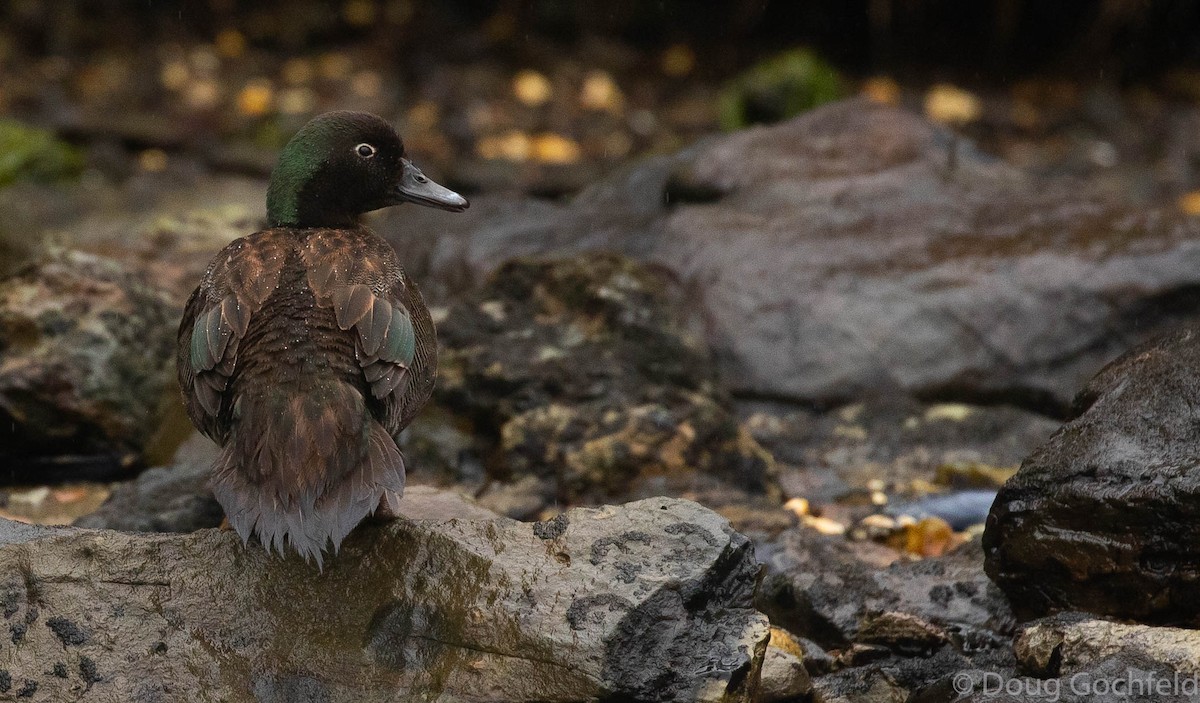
(304, 466)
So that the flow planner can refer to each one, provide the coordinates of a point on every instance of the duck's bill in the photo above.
(416, 187)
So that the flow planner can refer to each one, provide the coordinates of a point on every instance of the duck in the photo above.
(306, 348)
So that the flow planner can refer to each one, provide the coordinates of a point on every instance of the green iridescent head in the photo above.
(343, 164)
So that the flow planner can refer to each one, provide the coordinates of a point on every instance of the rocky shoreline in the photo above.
(726, 426)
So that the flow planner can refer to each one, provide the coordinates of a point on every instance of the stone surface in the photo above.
(894, 629)
(171, 498)
(1078, 659)
(783, 677)
(859, 248)
(85, 360)
(1070, 643)
(1103, 517)
(584, 370)
(467, 610)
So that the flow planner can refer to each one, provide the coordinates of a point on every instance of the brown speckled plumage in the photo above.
(304, 352)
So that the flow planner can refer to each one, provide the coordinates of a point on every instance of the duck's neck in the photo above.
(289, 205)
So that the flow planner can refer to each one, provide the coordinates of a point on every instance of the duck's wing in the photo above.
(218, 313)
(361, 280)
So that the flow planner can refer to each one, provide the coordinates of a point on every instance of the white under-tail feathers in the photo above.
(322, 514)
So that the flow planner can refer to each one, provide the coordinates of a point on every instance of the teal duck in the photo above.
(306, 349)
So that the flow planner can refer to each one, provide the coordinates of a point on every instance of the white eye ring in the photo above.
(365, 150)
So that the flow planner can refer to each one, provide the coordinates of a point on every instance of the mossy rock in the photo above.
(780, 87)
(30, 154)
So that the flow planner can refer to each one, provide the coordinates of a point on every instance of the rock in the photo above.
(1071, 657)
(1102, 518)
(444, 449)
(458, 609)
(816, 587)
(586, 372)
(1070, 643)
(783, 677)
(86, 364)
(859, 248)
(859, 685)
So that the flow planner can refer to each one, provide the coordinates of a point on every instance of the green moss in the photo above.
(778, 88)
(30, 154)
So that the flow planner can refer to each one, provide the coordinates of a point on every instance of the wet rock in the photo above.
(818, 587)
(860, 248)
(85, 364)
(467, 610)
(1102, 518)
(586, 371)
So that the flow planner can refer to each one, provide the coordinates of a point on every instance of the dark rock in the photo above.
(68, 632)
(586, 371)
(817, 588)
(85, 365)
(463, 609)
(173, 498)
(443, 449)
(1103, 518)
(859, 248)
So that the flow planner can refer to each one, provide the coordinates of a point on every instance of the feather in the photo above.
(373, 329)
(351, 304)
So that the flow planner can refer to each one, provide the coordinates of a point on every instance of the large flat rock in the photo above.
(647, 601)
(859, 248)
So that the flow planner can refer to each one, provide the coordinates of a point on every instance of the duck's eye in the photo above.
(365, 151)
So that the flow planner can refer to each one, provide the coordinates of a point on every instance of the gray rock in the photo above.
(858, 248)
(1071, 643)
(85, 362)
(172, 498)
(817, 587)
(463, 610)
(1074, 658)
(1103, 518)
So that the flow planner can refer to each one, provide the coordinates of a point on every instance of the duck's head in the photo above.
(342, 164)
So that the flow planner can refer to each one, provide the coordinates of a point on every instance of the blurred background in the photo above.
(143, 133)
(543, 95)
